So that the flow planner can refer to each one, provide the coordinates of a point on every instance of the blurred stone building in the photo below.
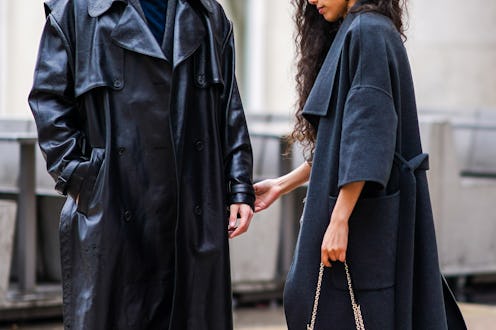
(452, 47)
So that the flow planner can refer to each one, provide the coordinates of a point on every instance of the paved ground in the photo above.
(478, 317)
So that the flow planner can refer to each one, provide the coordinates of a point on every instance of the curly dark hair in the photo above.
(314, 35)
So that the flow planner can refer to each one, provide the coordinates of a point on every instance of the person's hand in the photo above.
(266, 192)
(335, 242)
(238, 227)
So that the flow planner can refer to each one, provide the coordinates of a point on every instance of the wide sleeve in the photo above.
(369, 124)
(238, 158)
(56, 112)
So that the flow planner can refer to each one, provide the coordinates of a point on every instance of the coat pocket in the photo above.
(88, 185)
(371, 254)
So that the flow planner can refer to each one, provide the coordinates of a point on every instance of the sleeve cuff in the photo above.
(62, 182)
(242, 193)
(69, 181)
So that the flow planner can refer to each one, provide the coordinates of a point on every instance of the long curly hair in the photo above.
(314, 35)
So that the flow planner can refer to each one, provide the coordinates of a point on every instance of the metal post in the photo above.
(255, 50)
(26, 218)
(288, 216)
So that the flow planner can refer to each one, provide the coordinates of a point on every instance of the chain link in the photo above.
(357, 313)
(316, 300)
(356, 307)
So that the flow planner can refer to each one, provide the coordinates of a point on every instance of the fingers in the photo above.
(233, 209)
(335, 243)
(260, 188)
(332, 251)
(266, 192)
(324, 258)
(328, 255)
(245, 215)
(259, 206)
(332, 255)
(256, 188)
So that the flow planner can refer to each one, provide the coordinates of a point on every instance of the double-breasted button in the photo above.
(198, 210)
(127, 215)
(121, 150)
(201, 79)
(117, 83)
(199, 145)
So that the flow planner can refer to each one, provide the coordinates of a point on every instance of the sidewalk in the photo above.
(478, 317)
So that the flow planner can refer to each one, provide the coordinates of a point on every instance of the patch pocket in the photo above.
(372, 244)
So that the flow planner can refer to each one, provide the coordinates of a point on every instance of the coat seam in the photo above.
(360, 69)
(227, 38)
(383, 91)
(55, 25)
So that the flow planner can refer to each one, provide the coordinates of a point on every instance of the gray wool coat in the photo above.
(363, 106)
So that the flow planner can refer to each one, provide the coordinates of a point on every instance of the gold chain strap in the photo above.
(356, 308)
(316, 300)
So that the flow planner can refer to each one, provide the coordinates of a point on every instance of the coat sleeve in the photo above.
(55, 110)
(369, 126)
(238, 158)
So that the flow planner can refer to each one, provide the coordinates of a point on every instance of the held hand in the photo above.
(245, 214)
(335, 242)
(266, 192)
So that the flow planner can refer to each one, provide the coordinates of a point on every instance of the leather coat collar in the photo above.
(132, 33)
(99, 7)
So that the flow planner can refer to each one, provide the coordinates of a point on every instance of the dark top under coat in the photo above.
(155, 12)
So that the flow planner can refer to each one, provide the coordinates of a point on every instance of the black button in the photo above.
(199, 145)
(127, 216)
(121, 150)
(201, 79)
(198, 210)
(117, 83)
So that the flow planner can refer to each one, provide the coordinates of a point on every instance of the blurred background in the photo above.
(452, 49)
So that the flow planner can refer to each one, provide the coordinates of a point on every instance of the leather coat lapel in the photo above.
(167, 42)
(98, 7)
(182, 37)
(132, 33)
(189, 32)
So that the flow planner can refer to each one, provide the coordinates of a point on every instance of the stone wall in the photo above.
(451, 44)
(452, 48)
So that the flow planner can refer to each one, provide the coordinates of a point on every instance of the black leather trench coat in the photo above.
(141, 133)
